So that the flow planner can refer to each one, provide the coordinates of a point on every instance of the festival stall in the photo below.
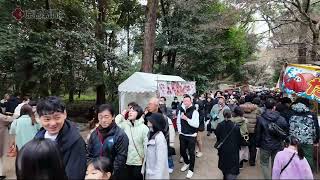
(140, 87)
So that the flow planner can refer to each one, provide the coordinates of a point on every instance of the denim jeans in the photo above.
(170, 162)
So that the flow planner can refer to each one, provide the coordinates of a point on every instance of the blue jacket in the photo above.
(72, 148)
(114, 147)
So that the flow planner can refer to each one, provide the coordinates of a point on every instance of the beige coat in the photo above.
(4, 133)
(251, 111)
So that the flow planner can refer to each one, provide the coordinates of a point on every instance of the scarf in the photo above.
(105, 131)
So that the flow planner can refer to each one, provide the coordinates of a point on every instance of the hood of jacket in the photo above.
(300, 108)
(248, 107)
(137, 122)
(68, 135)
(270, 115)
(238, 120)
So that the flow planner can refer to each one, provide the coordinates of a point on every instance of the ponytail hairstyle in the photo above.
(293, 141)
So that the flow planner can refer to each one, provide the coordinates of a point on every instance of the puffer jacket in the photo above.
(304, 124)
(264, 139)
(137, 134)
(251, 111)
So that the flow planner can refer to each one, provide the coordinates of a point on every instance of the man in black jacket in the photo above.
(53, 116)
(269, 143)
(109, 140)
(188, 123)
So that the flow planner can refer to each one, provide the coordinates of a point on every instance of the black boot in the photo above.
(2, 177)
(241, 164)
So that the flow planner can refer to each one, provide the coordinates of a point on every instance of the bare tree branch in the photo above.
(312, 4)
(273, 28)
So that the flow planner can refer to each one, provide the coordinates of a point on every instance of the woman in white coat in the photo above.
(155, 164)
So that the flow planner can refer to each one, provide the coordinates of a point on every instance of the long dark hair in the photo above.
(40, 159)
(27, 110)
(293, 141)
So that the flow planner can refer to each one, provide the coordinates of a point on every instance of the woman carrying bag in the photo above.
(242, 124)
(228, 145)
(290, 163)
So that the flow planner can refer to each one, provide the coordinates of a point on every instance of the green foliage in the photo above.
(59, 56)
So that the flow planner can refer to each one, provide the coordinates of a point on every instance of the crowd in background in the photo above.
(139, 143)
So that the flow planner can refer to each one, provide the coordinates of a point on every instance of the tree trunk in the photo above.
(315, 47)
(128, 35)
(160, 56)
(55, 85)
(302, 47)
(100, 89)
(149, 36)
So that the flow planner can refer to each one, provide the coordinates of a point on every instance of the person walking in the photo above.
(4, 136)
(290, 163)
(242, 123)
(217, 112)
(25, 127)
(188, 123)
(304, 126)
(137, 133)
(155, 165)
(269, 139)
(208, 106)
(228, 137)
(199, 103)
(251, 111)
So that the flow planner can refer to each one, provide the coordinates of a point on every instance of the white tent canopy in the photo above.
(140, 87)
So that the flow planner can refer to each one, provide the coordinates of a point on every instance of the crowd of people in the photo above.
(140, 143)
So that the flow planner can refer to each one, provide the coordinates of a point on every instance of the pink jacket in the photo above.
(297, 169)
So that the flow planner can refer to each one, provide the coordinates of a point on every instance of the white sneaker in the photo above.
(181, 159)
(189, 175)
(199, 154)
(170, 171)
(185, 167)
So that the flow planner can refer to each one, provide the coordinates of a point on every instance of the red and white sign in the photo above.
(170, 89)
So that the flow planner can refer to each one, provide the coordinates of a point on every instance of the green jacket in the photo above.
(242, 122)
(137, 133)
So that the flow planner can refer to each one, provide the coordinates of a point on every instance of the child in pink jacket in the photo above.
(291, 163)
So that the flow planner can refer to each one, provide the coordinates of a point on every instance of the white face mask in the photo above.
(175, 100)
(151, 129)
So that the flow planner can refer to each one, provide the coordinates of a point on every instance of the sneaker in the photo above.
(185, 167)
(2, 177)
(189, 175)
(199, 154)
(170, 171)
(181, 159)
